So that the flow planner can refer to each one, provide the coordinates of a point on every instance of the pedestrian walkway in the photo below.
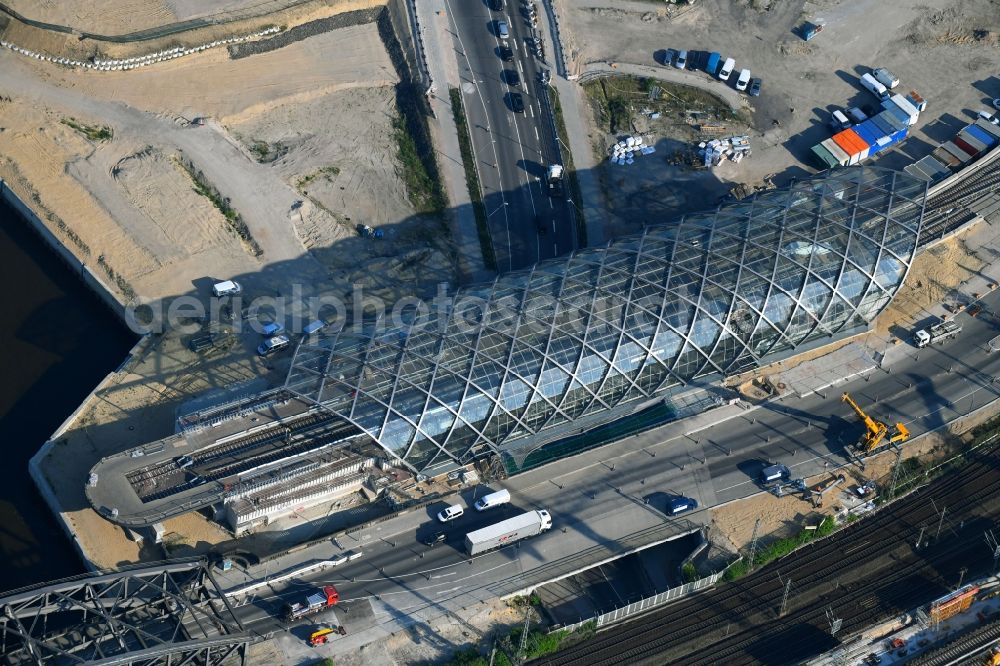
(438, 42)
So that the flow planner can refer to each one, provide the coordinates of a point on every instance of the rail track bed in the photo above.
(864, 573)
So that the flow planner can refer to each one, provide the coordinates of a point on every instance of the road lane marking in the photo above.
(537, 138)
(496, 159)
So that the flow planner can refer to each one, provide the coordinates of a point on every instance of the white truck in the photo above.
(554, 177)
(513, 529)
(945, 330)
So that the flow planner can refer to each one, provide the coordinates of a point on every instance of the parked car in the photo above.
(744, 80)
(996, 103)
(506, 53)
(516, 102)
(838, 121)
(727, 69)
(755, 86)
(681, 61)
(496, 5)
(272, 345)
(227, 288)
(272, 329)
(512, 78)
(450, 513)
(503, 30)
(974, 310)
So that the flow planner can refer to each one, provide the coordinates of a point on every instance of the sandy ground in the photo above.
(786, 516)
(436, 641)
(336, 159)
(163, 250)
(117, 17)
(945, 50)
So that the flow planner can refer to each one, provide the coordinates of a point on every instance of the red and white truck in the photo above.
(321, 599)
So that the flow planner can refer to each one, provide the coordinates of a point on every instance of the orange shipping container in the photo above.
(858, 142)
(850, 142)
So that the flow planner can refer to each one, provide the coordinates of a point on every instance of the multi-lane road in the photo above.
(512, 150)
(596, 498)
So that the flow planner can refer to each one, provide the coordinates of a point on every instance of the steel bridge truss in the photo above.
(171, 613)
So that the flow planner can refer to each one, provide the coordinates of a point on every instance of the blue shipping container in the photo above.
(884, 125)
(871, 134)
(892, 108)
(981, 134)
(713, 62)
(890, 118)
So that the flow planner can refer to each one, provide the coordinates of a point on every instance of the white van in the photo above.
(450, 513)
(492, 500)
(227, 288)
(872, 85)
(727, 69)
(741, 83)
(885, 77)
(838, 121)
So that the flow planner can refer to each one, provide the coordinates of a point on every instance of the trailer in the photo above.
(508, 531)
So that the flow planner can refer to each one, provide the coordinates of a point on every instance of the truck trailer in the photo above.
(939, 332)
(509, 531)
(321, 599)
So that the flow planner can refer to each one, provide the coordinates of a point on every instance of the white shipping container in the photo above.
(907, 107)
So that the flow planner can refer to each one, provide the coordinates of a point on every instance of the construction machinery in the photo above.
(992, 657)
(323, 636)
(876, 432)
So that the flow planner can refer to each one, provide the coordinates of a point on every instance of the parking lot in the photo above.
(940, 49)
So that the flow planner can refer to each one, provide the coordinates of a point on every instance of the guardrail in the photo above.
(647, 603)
(349, 556)
(557, 49)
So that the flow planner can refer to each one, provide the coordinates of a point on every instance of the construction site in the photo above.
(686, 294)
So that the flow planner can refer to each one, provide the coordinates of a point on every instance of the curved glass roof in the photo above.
(715, 292)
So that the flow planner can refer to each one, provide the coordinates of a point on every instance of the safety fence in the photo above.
(557, 43)
(647, 603)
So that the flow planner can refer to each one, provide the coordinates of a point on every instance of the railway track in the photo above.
(946, 211)
(690, 625)
(967, 645)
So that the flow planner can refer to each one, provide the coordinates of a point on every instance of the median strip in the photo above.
(472, 179)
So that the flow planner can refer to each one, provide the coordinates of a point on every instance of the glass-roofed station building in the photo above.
(509, 366)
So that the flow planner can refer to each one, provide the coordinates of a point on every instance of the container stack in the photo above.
(862, 141)
(627, 149)
(971, 142)
(733, 148)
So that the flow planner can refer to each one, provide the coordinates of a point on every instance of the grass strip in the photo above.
(569, 169)
(472, 180)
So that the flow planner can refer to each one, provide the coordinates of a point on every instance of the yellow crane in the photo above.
(875, 431)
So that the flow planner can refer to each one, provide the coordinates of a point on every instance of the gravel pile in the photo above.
(300, 32)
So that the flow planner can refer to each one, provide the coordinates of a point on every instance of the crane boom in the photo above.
(869, 422)
(875, 431)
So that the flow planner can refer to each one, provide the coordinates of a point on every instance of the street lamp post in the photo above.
(505, 204)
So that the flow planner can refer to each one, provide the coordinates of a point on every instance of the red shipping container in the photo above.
(965, 146)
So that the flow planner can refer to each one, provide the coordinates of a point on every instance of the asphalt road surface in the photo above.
(598, 497)
(513, 150)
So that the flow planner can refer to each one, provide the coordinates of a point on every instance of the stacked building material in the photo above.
(733, 148)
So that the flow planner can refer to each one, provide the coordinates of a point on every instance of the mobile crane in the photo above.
(875, 431)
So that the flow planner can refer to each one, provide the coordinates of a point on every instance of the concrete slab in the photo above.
(841, 365)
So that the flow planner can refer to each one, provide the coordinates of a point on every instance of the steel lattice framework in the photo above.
(172, 613)
(716, 292)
